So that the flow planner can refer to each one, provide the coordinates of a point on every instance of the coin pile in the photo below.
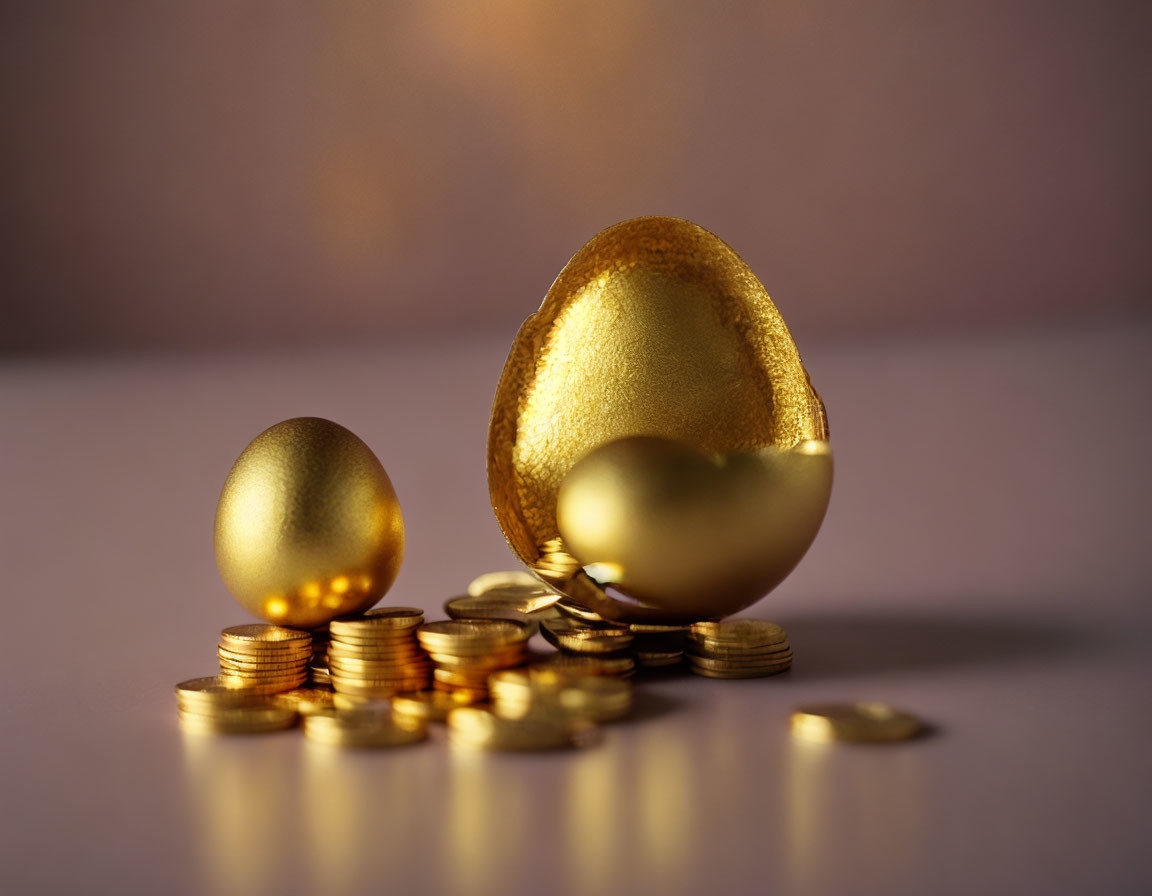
(594, 639)
(653, 646)
(741, 648)
(376, 655)
(861, 722)
(264, 658)
(467, 651)
(210, 705)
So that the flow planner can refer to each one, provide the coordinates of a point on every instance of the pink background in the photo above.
(213, 173)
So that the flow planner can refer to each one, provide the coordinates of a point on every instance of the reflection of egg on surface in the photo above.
(655, 328)
(308, 526)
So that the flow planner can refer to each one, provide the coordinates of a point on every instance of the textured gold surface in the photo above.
(308, 526)
(655, 327)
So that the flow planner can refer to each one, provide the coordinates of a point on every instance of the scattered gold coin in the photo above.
(861, 722)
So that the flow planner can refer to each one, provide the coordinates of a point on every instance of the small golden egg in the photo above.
(308, 526)
(655, 328)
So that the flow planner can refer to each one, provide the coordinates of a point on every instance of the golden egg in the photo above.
(655, 328)
(308, 526)
(668, 524)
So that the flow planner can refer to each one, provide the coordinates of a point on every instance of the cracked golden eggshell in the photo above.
(308, 526)
(656, 327)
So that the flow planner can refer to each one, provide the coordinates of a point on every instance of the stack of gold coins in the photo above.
(476, 728)
(370, 727)
(741, 648)
(467, 651)
(654, 647)
(583, 638)
(376, 655)
(211, 706)
(861, 722)
(264, 658)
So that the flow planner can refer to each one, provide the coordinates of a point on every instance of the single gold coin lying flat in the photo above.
(501, 603)
(443, 637)
(513, 578)
(215, 690)
(861, 722)
(364, 728)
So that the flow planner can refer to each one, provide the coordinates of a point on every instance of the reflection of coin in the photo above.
(369, 727)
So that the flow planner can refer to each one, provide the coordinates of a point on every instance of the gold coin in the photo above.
(306, 701)
(731, 662)
(581, 665)
(741, 632)
(262, 686)
(262, 633)
(265, 650)
(238, 719)
(755, 654)
(375, 690)
(575, 611)
(228, 659)
(516, 578)
(863, 722)
(738, 673)
(212, 689)
(364, 728)
(496, 605)
(355, 664)
(581, 637)
(429, 705)
(454, 635)
(398, 654)
(500, 658)
(386, 619)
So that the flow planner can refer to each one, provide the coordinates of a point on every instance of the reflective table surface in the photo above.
(985, 564)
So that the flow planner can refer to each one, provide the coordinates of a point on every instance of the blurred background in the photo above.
(220, 174)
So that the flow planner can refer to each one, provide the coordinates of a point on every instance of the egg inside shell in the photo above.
(655, 328)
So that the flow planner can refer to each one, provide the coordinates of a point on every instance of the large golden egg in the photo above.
(308, 526)
(655, 328)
